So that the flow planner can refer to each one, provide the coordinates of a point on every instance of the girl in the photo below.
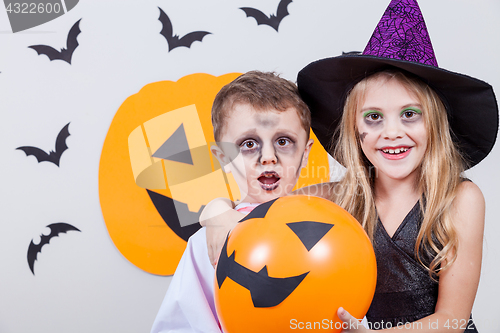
(395, 142)
(406, 130)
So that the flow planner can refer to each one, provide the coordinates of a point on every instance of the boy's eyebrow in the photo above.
(278, 133)
(246, 134)
(286, 132)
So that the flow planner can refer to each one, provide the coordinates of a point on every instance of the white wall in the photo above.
(88, 286)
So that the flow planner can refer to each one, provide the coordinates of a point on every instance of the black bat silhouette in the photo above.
(265, 291)
(55, 230)
(274, 20)
(64, 54)
(174, 40)
(52, 156)
(351, 53)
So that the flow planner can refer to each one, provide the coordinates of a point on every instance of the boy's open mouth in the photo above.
(269, 180)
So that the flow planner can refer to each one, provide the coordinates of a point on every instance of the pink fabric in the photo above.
(246, 208)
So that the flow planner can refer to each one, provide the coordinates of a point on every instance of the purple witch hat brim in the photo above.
(401, 42)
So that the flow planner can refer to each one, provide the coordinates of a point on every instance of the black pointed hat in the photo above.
(401, 41)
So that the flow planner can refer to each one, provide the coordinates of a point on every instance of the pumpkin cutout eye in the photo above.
(176, 148)
(310, 232)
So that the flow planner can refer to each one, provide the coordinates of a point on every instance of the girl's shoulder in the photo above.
(469, 206)
(468, 193)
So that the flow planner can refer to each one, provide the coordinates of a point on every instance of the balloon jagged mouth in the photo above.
(266, 291)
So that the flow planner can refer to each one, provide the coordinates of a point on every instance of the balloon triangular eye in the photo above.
(260, 211)
(310, 232)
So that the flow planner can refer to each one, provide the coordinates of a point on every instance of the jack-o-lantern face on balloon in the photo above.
(293, 261)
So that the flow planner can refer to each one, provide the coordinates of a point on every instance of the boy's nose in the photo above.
(268, 155)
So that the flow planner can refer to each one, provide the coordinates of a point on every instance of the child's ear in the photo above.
(307, 150)
(222, 158)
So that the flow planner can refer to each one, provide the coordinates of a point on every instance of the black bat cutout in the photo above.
(265, 291)
(274, 20)
(174, 40)
(52, 156)
(55, 230)
(64, 54)
(351, 53)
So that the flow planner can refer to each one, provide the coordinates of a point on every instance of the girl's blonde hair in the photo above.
(438, 180)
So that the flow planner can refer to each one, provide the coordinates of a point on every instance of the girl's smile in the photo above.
(392, 130)
(395, 153)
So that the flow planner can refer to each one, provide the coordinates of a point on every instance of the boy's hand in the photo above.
(219, 218)
(218, 228)
(214, 208)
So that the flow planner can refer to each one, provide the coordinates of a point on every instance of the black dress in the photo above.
(405, 292)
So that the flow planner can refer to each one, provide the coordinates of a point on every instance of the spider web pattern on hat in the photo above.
(402, 34)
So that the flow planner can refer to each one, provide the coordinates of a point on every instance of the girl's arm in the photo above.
(457, 284)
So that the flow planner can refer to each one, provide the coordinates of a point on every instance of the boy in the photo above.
(261, 126)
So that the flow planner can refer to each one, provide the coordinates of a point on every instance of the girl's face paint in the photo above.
(393, 132)
(273, 148)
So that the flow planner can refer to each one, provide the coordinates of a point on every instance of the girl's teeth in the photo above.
(395, 151)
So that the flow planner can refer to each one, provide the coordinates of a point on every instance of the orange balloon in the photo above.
(290, 264)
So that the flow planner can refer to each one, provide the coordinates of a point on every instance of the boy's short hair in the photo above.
(263, 91)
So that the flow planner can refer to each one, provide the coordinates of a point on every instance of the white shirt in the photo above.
(189, 303)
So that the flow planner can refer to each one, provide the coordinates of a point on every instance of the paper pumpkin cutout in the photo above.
(156, 171)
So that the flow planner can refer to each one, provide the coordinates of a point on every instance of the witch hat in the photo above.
(401, 41)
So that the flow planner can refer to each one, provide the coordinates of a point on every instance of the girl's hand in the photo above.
(219, 218)
(350, 324)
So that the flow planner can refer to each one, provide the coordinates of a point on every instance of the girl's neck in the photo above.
(394, 198)
(388, 190)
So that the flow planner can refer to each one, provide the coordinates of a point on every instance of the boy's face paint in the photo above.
(393, 132)
(272, 148)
